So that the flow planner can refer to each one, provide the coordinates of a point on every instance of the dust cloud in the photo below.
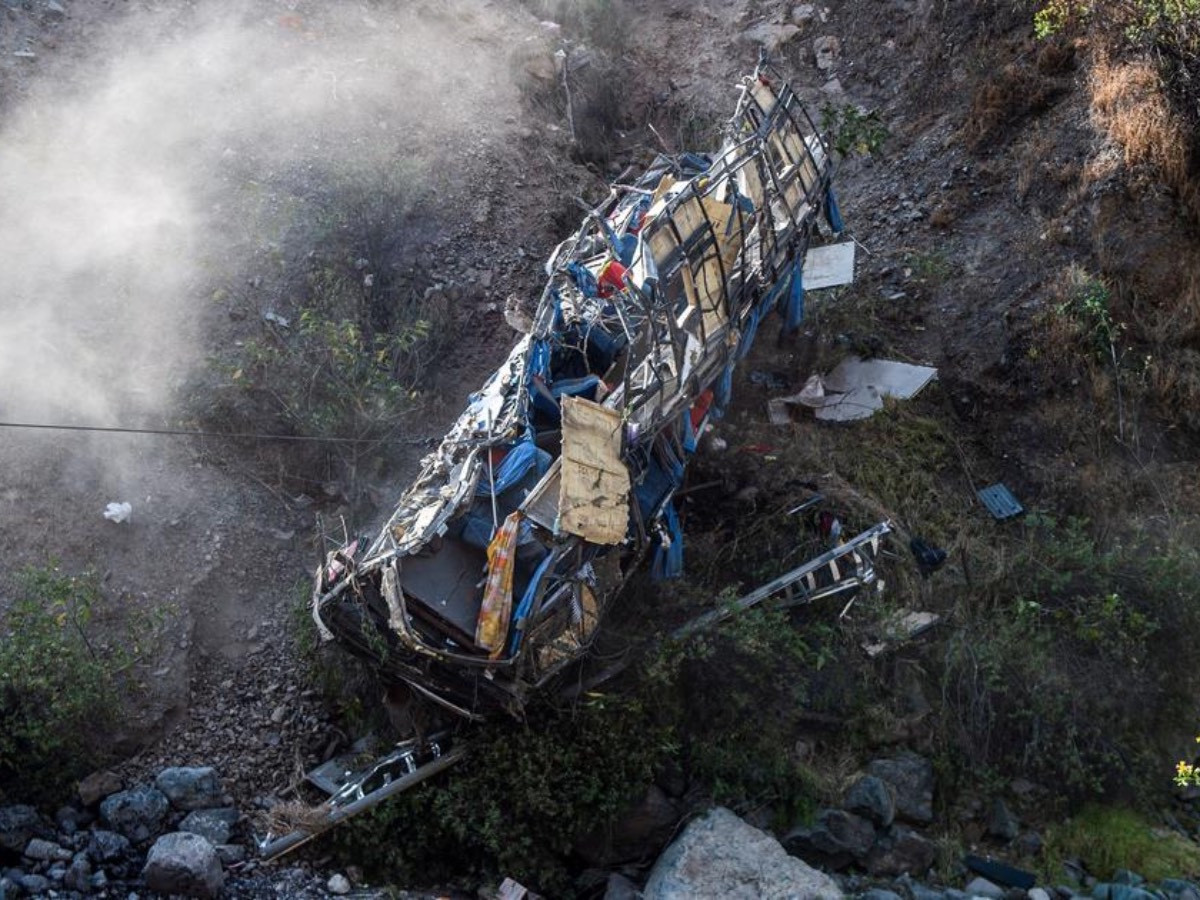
(151, 172)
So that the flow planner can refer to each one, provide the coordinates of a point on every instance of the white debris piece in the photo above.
(829, 266)
(276, 319)
(892, 379)
(853, 390)
(118, 511)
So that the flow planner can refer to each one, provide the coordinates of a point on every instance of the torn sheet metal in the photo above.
(854, 390)
(829, 266)
(594, 488)
(902, 626)
(899, 380)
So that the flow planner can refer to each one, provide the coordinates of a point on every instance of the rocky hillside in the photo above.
(331, 250)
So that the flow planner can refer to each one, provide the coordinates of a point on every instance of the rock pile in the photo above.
(180, 836)
(868, 830)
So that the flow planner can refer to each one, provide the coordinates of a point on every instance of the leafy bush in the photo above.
(1080, 655)
(854, 130)
(351, 329)
(521, 800)
(57, 688)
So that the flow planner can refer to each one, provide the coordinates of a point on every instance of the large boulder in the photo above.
(137, 813)
(17, 825)
(184, 863)
(721, 857)
(911, 779)
(191, 787)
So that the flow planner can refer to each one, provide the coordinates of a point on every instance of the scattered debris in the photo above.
(902, 626)
(118, 511)
(829, 266)
(1000, 501)
(853, 390)
(276, 319)
(929, 558)
(1000, 873)
(770, 380)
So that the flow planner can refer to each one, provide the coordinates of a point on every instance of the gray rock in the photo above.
(46, 851)
(1038, 893)
(879, 894)
(871, 798)
(900, 850)
(911, 779)
(79, 874)
(1003, 823)
(1178, 889)
(34, 884)
(1124, 876)
(137, 813)
(231, 853)
(66, 820)
(918, 891)
(97, 786)
(803, 14)
(835, 839)
(107, 846)
(214, 824)
(17, 825)
(1030, 843)
(620, 888)
(826, 49)
(184, 863)
(719, 856)
(191, 788)
(771, 36)
(981, 887)
(338, 884)
(1112, 891)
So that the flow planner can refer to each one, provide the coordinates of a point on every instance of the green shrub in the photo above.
(853, 130)
(58, 689)
(1076, 659)
(519, 802)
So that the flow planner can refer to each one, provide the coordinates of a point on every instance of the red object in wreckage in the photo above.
(612, 278)
(700, 407)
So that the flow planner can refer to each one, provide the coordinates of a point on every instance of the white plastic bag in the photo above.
(118, 512)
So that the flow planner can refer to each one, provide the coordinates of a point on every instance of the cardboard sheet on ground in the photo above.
(853, 390)
(829, 266)
(594, 491)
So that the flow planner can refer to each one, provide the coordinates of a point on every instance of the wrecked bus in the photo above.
(557, 480)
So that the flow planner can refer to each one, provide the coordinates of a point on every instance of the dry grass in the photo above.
(1129, 103)
(1011, 95)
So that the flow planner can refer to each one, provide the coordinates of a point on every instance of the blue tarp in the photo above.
(833, 215)
(795, 303)
(668, 558)
(521, 613)
(567, 387)
(514, 467)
